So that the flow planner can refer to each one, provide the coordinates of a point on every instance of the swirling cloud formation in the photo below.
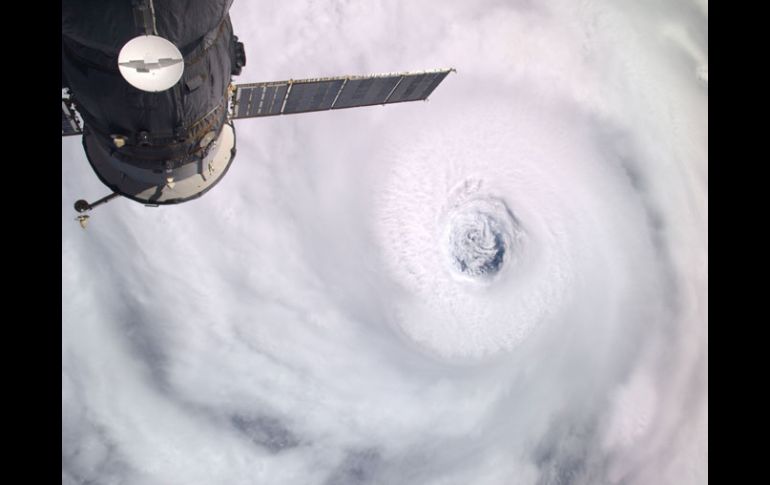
(506, 284)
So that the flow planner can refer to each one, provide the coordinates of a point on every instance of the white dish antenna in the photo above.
(150, 63)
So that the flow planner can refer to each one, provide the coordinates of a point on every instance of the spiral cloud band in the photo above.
(506, 284)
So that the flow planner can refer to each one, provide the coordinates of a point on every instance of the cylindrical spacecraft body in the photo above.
(153, 147)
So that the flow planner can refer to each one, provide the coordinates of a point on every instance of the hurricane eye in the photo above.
(481, 236)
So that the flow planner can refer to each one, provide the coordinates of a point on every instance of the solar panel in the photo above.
(255, 100)
(69, 122)
(312, 95)
(417, 86)
(302, 96)
(366, 91)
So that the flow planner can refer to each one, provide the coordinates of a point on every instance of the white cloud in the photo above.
(303, 323)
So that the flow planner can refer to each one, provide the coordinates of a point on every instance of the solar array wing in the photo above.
(70, 125)
(253, 100)
(302, 96)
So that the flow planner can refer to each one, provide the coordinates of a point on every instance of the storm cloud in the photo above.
(506, 284)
